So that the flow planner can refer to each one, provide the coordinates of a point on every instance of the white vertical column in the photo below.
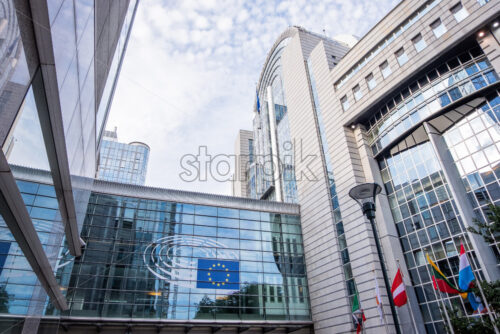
(485, 255)
(274, 144)
(388, 236)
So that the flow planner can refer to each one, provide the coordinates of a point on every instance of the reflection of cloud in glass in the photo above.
(29, 148)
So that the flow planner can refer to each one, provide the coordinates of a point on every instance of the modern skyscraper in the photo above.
(274, 169)
(412, 106)
(59, 63)
(120, 162)
(243, 149)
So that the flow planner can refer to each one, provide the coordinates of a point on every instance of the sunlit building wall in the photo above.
(413, 107)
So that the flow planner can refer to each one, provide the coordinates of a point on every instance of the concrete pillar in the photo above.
(485, 255)
(388, 236)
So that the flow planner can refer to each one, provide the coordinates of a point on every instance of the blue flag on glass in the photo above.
(4, 252)
(217, 274)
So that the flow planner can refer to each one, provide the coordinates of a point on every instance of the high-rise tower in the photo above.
(120, 162)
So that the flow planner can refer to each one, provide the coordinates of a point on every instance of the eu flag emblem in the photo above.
(217, 274)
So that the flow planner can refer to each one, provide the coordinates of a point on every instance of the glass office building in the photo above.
(413, 106)
(160, 259)
(59, 64)
(120, 162)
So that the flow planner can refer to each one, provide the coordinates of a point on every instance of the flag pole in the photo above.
(381, 304)
(408, 301)
(443, 304)
(462, 240)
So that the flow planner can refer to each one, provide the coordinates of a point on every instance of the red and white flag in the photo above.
(398, 290)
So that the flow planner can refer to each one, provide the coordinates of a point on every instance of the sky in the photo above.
(189, 74)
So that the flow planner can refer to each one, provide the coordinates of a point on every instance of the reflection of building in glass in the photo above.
(59, 64)
(273, 175)
(243, 150)
(424, 125)
(120, 162)
(414, 106)
(144, 255)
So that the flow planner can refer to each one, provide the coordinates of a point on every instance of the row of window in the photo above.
(183, 222)
(426, 96)
(419, 44)
(337, 216)
(387, 41)
(142, 206)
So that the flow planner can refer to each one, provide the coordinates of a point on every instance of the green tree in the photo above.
(490, 232)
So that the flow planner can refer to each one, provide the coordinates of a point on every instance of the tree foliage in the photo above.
(490, 231)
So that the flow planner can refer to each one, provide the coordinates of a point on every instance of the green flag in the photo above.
(358, 316)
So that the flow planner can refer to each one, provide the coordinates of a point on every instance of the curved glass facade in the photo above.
(474, 144)
(424, 210)
(20, 290)
(456, 78)
(264, 137)
(427, 221)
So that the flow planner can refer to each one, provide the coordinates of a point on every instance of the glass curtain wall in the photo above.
(427, 221)
(453, 79)
(20, 291)
(264, 149)
(154, 259)
(124, 163)
(474, 143)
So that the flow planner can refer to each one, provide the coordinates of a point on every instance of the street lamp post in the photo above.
(365, 195)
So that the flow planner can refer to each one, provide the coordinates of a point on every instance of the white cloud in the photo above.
(224, 23)
(189, 75)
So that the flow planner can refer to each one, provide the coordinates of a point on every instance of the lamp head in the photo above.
(365, 194)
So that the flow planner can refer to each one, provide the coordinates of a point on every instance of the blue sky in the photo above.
(189, 75)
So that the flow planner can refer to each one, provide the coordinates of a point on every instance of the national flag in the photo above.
(358, 316)
(378, 299)
(465, 274)
(217, 274)
(398, 290)
(476, 304)
(258, 101)
(440, 281)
